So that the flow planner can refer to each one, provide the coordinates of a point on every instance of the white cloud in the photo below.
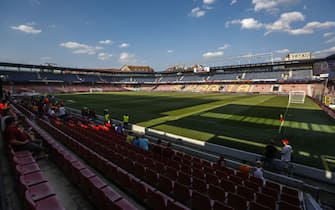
(284, 24)
(27, 29)
(224, 47)
(197, 12)
(107, 41)
(127, 58)
(250, 23)
(213, 54)
(324, 52)
(271, 5)
(81, 48)
(283, 51)
(330, 40)
(327, 34)
(124, 45)
(233, 2)
(208, 1)
(104, 56)
(170, 51)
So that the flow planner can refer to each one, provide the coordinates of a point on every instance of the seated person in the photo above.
(221, 161)
(144, 143)
(136, 141)
(258, 171)
(244, 168)
(19, 140)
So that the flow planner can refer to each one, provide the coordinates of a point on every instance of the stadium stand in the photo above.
(170, 181)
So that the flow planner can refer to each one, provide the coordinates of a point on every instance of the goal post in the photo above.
(92, 90)
(297, 97)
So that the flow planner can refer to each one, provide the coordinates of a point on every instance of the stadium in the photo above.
(201, 111)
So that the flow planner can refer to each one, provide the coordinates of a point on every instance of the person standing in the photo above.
(286, 153)
(270, 153)
(125, 121)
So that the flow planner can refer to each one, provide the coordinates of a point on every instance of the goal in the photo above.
(297, 97)
(96, 90)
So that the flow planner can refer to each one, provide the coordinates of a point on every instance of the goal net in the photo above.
(296, 97)
(92, 90)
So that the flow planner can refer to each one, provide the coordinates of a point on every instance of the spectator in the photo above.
(130, 138)
(136, 141)
(118, 128)
(286, 153)
(244, 168)
(107, 116)
(156, 148)
(61, 111)
(144, 143)
(258, 171)
(270, 153)
(92, 114)
(221, 161)
(18, 139)
(125, 121)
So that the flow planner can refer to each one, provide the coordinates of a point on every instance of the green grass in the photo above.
(246, 122)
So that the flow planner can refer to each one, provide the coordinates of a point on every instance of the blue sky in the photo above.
(161, 33)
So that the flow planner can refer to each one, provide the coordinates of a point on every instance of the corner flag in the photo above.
(281, 119)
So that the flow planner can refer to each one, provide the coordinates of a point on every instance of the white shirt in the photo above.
(61, 111)
(258, 173)
(286, 153)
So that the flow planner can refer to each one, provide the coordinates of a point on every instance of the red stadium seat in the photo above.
(184, 179)
(237, 180)
(229, 186)
(258, 206)
(266, 200)
(175, 205)
(123, 204)
(40, 191)
(200, 201)
(245, 192)
(108, 197)
(181, 193)
(95, 186)
(236, 201)
(50, 203)
(139, 190)
(221, 206)
(287, 206)
(27, 169)
(290, 199)
(252, 185)
(199, 184)
(272, 185)
(84, 176)
(216, 193)
(156, 200)
(270, 192)
(198, 173)
(212, 179)
(290, 191)
(33, 178)
(165, 184)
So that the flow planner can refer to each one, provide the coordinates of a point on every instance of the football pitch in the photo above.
(246, 122)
